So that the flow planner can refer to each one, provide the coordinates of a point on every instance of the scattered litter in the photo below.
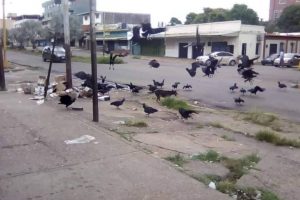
(119, 122)
(81, 140)
(20, 90)
(195, 102)
(53, 95)
(212, 185)
(27, 88)
(104, 98)
(96, 142)
(39, 90)
(134, 109)
(39, 102)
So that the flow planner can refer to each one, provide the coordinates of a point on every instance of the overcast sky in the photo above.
(160, 10)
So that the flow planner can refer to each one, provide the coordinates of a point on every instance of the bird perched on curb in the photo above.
(149, 110)
(68, 98)
(239, 100)
(185, 113)
(159, 84)
(118, 103)
(232, 88)
(103, 78)
(281, 85)
(154, 63)
(256, 89)
(152, 88)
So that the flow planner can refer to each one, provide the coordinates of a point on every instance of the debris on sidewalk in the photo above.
(212, 185)
(81, 140)
(104, 98)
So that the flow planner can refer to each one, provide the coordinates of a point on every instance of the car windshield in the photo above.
(56, 49)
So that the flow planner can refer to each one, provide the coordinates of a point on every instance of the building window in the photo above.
(282, 2)
(244, 49)
(281, 46)
(86, 18)
(292, 47)
(97, 15)
(277, 14)
(257, 49)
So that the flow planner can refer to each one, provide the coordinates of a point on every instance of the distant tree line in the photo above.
(289, 21)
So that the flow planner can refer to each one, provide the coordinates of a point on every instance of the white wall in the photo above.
(86, 19)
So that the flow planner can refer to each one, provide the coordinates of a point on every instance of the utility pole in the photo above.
(94, 60)
(4, 35)
(2, 50)
(67, 43)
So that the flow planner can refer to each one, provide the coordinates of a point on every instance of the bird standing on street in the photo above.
(149, 110)
(118, 103)
(185, 113)
(281, 85)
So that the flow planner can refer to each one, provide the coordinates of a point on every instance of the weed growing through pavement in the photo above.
(175, 104)
(177, 160)
(273, 138)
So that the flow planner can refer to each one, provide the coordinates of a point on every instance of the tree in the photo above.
(190, 18)
(212, 15)
(174, 21)
(243, 13)
(28, 31)
(57, 26)
(289, 20)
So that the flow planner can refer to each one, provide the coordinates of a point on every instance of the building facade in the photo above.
(76, 7)
(277, 6)
(231, 36)
(112, 28)
(275, 42)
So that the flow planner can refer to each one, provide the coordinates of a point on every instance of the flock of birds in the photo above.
(245, 69)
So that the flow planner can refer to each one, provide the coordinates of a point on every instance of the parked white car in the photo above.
(227, 58)
(289, 60)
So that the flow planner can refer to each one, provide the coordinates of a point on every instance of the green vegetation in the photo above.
(226, 186)
(200, 126)
(139, 124)
(271, 137)
(82, 59)
(238, 167)
(177, 160)
(175, 104)
(268, 195)
(261, 118)
(210, 156)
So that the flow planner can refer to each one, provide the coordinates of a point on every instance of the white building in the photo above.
(232, 36)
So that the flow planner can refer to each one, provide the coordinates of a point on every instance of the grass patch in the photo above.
(140, 124)
(226, 186)
(210, 156)
(82, 59)
(271, 137)
(227, 138)
(238, 167)
(268, 195)
(175, 104)
(216, 125)
(261, 118)
(177, 160)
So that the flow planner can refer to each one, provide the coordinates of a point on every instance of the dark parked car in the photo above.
(270, 59)
(289, 60)
(58, 56)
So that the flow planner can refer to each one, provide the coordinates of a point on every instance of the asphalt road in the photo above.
(209, 91)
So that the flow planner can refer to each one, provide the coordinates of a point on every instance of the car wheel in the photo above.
(207, 63)
(232, 63)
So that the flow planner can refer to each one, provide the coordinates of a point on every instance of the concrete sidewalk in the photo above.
(35, 163)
